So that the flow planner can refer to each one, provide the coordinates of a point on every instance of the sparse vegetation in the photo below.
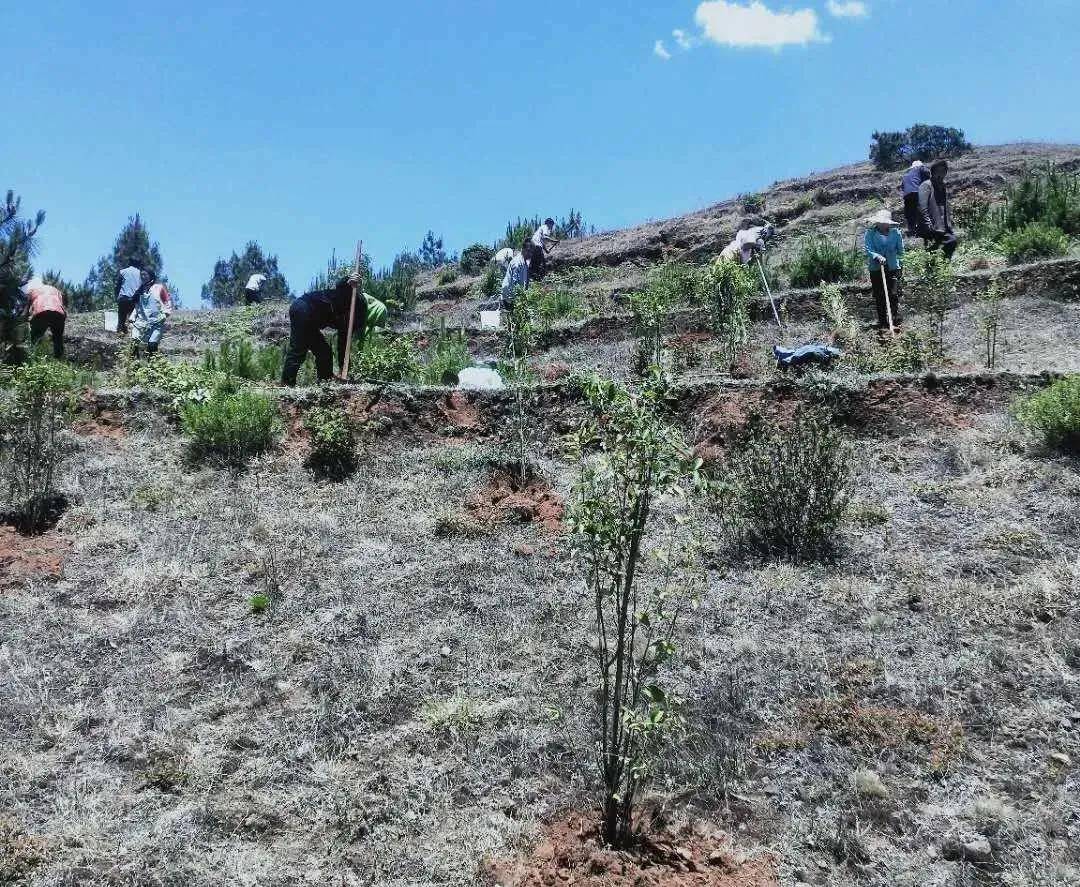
(238, 357)
(333, 442)
(1054, 415)
(788, 488)
(932, 289)
(731, 288)
(230, 427)
(819, 260)
(628, 461)
(1033, 241)
(988, 316)
(34, 416)
(447, 356)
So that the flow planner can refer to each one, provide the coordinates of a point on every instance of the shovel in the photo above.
(772, 301)
(352, 315)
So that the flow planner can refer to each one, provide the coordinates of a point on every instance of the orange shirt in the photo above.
(46, 298)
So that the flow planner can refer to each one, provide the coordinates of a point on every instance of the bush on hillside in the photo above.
(892, 150)
(447, 355)
(333, 442)
(230, 428)
(34, 415)
(819, 261)
(1032, 242)
(789, 487)
(384, 359)
(238, 357)
(1054, 415)
(475, 258)
(1046, 196)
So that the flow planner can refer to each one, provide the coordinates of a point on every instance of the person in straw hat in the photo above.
(885, 250)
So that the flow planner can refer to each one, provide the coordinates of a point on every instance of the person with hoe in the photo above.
(885, 260)
(131, 284)
(543, 240)
(313, 312)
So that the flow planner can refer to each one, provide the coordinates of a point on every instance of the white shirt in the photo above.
(743, 245)
(255, 282)
(131, 285)
(542, 232)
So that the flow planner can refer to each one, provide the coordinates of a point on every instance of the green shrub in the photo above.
(554, 304)
(446, 275)
(753, 203)
(34, 415)
(475, 258)
(1034, 241)
(1046, 196)
(819, 260)
(731, 287)
(333, 442)
(384, 359)
(447, 355)
(230, 427)
(490, 283)
(1054, 415)
(789, 487)
(239, 358)
(932, 290)
(260, 603)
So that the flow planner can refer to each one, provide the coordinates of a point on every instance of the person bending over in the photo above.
(314, 312)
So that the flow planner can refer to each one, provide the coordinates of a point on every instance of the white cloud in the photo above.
(848, 8)
(684, 40)
(660, 51)
(755, 25)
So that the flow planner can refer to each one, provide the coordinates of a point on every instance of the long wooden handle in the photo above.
(888, 301)
(352, 312)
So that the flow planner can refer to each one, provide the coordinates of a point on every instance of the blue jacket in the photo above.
(890, 245)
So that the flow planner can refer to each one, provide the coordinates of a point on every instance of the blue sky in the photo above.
(306, 126)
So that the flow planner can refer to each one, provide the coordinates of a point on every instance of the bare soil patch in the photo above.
(31, 557)
(571, 852)
(506, 500)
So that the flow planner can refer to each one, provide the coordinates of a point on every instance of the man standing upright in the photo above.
(936, 212)
(130, 284)
(909, 187)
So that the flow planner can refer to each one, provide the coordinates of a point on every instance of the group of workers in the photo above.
(528, 263)
(928, 213)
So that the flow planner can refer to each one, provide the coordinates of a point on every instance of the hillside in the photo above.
(258, 676)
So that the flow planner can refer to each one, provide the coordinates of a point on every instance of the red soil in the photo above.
(506, 500)
(571, 853)
(460, 411)
(30, 557)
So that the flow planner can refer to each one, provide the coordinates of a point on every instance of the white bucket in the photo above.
(490, 320)
(111, 321)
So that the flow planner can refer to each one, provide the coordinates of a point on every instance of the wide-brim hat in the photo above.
(883, 217)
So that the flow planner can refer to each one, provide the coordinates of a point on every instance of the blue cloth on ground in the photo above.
(796, 357)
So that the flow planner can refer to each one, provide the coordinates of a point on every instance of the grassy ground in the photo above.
(415, 699)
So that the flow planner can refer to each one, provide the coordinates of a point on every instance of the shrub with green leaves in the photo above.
(1032, 242)
(447, 274)
(819, 260)
(788, 487)
(1054, 415)
(333, 442)
(475, 258)
(731, 287)
(447, 355)
(932, 290)
(553, 304)
(34, 414)
(230, 427)
(381, 358)
(671, 285)
(240, 358)
(1044, 195)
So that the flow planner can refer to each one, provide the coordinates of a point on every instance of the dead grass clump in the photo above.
(20, 853)
(879, 728)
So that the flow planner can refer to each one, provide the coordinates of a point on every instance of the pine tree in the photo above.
(133, 247)
(16, 250)
(230, 276)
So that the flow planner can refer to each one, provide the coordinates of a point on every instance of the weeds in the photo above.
(629, 458)
(668, 286)
(1054, 415)
(230, 427)
(384, 359)
(239, 358)
(1036, 240)
(333, 442)
(731, 288)
(819, 260)
(789, 488)
(521, 339)
(33, 446)
(933, 291)
(447, 356)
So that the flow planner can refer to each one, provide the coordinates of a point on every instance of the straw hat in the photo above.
(882, 217)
